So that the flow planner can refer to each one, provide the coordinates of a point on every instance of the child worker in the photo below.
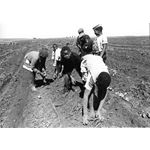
(56, 55)
(97, 79)
(34, 63)
(69, 61)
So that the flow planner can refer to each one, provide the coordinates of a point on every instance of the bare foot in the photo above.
(99, 116)
(85, 120)
(33, 88)
(92, 114)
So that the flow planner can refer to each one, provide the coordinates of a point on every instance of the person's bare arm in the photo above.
(104, 49)
(61, 72)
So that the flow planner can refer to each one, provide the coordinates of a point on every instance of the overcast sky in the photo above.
(62, 18)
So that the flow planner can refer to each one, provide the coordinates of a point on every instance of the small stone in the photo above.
(126, 98)
(143, 115)
(110, 88)
(39, 97)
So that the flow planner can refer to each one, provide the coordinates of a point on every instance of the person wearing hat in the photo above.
(81, 40)
(100, 43)
(34, 63)
(97, 79)
(69, 61)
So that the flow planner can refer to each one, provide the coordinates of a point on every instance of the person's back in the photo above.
(81, 40)
(31, 58)
(94, 64)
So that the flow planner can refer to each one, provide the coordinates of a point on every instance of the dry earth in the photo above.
(127, 104)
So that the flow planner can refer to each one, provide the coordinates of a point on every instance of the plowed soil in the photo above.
(127, 104)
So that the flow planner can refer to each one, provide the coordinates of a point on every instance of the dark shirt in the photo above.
(81, 41)
(40, 64)
(72, 63)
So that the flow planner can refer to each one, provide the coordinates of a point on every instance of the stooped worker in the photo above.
(56, 60)
(97, 79)
(69, 61)
(81, 40)
(100, 43)
(34, 63)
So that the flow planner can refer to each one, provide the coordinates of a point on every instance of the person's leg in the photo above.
(103, 81)
(32, 80)
(85, 104)
(91, 103)
(57, 69)
(87, 95)
(102, 101)
(73, 81)
(67, 83)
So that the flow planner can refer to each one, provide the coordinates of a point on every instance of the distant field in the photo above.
(12, 40)
(141, 41)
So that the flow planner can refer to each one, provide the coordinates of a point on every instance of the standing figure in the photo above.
(56, 60)
(97, 79)
(100, 43)
(81, 40)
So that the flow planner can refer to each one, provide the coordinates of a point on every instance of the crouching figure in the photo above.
(69, 62)
(34, 63)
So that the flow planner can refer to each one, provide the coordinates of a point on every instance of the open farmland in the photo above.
(127, 104)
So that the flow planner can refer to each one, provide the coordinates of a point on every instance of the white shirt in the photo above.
(93, 65)
(56, 55)
(102, 39)
(30, 59)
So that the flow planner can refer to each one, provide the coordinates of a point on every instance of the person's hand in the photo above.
(36, 71)
(43, 74)
(60, 75)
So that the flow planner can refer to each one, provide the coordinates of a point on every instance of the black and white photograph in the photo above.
(74, 64)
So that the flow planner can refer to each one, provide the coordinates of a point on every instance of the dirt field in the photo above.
(127, 104)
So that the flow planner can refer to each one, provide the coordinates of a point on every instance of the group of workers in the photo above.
(89, 63)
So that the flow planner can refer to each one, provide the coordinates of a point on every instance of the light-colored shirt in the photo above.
(56, 55)
(99, 41)
(30, 59)
(92, 65)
